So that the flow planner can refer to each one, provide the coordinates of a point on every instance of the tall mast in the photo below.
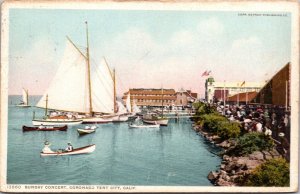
(46, 105)
(114, 79)
(27, 98)
(162, 102)
(88, 68)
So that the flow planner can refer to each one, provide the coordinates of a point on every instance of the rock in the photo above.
(224, 144)
(225, 177)
(241, 162)
(226, 157)
(222, 166)
(270, 154)
(251, 164)
(212, 176)
(234, 178)
(222, 182)
(222, 173)
(229, 167)
(257, 155)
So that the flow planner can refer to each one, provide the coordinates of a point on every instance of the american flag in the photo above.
(205, 73)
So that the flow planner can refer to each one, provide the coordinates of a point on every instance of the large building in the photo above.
(218, 91)
(242, 98)
(160, 97)
(277, 90)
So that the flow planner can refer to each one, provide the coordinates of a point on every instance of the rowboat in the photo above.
(81, 150)
(45, 128)
(87, 130)
(143, 126)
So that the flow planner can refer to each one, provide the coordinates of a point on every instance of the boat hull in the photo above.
(37, 122)
(46, 128)
(144, 126)
(85, 131)
(82, 150)
(120, 119)
(23, 106)
(96, 120)
(163, 122)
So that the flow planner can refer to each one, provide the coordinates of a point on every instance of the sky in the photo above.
(149, 49)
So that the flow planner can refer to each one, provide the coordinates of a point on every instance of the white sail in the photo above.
(25, 97)
(128, 104)
(121, 108)
(135, 108)
(68, 90)
(102, 88)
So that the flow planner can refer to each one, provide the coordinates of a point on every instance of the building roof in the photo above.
(156, 94)
(242, 97)
(152, 97)
(151, 91)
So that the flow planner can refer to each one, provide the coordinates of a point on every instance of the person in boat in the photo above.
(69, 148)
(46, 148)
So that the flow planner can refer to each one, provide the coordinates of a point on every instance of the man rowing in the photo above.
(69, 148)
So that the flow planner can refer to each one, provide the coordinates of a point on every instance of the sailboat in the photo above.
(56, 120)
(154, 118)
(119, 109)
(135, 108)
(81, 87)
(24, 102)
(121, 113)
(132, 108)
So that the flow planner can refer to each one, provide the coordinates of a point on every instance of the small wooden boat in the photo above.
(87, 130)
(144, 126)
(81, 150)
(45, 128)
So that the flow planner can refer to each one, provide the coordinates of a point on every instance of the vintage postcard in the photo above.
(149, 96)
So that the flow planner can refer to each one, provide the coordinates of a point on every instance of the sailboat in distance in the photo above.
(24, 101)
(157, 119)
(80, 88)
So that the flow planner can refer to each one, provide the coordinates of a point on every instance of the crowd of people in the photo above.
(273, 121)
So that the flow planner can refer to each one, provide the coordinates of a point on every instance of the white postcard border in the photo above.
(282, 6)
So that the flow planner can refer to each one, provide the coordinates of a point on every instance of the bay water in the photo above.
(174, 155)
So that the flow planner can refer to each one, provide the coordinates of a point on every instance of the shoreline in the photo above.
(233, 168)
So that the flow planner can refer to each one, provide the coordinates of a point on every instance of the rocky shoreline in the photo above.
(233, 169)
